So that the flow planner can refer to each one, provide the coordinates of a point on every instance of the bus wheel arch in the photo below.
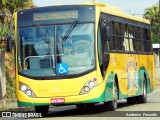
(147, 82)
(117, 83)
(112, 105)
(143, 98)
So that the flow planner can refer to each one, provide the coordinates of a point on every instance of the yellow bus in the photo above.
(81, 55)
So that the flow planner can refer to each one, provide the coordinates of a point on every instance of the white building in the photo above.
(156, 50)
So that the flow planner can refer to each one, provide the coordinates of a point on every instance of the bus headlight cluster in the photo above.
(92, 83)
(89, 85)
(26, 89)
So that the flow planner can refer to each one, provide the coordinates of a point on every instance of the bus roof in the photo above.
(105, 8)
(111, 10)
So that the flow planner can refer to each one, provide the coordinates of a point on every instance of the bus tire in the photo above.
(112, 105)
(143, 98)
(42, 109)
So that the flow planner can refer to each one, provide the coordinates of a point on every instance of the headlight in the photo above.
(86, 89)
(89, 85)
(26, 89)
(29, 92)
(23, 88)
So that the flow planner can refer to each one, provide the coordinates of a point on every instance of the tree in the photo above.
(7, 9)
(4, 18)
(152, 14)
(14, 5)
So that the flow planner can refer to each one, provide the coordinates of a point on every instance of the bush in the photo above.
(10, 75)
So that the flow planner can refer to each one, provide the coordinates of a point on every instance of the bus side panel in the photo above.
(151, 72)
(130, 70)
(145, 70)
(117, 67)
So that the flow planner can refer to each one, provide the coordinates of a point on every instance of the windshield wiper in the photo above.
(40, 30)
(37, 27)
(69, 30)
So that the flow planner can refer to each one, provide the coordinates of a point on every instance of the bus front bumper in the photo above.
(95, 95)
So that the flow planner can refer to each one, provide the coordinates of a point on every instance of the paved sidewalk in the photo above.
(12, 105)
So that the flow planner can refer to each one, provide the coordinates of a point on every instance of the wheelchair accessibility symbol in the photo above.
(62, 68)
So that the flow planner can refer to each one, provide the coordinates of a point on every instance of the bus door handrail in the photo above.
(24, 65)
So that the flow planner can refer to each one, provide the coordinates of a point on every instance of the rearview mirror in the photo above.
(9, 44)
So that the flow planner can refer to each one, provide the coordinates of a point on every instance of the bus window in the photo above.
(117, 36)
(36, 50)
(112, 42)
(79, 44)
(137, 39)
(45, 40)
(134, 38)
(142, 40)
(148, 41)
(130, 29)
(125, 37)
(120, 34)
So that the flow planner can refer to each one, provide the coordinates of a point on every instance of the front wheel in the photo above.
(112, 105)
(42, 109)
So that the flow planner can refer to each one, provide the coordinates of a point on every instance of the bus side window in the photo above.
(134, 38)
(145, 40)
(142, 40)
(130, 35)
(137, 39)
(118, 36)
(112, 42)
(148, 41)
(125, 37)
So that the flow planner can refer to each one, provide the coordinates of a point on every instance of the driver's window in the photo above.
(45, 40)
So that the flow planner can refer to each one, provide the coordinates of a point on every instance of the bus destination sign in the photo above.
(55, 15)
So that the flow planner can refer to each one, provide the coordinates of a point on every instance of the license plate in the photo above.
(57, 100)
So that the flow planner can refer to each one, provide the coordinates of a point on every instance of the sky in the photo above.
(127, 6)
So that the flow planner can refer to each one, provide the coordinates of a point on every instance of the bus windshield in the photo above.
(43, 51)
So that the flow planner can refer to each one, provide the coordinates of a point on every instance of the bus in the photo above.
(81, 55)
